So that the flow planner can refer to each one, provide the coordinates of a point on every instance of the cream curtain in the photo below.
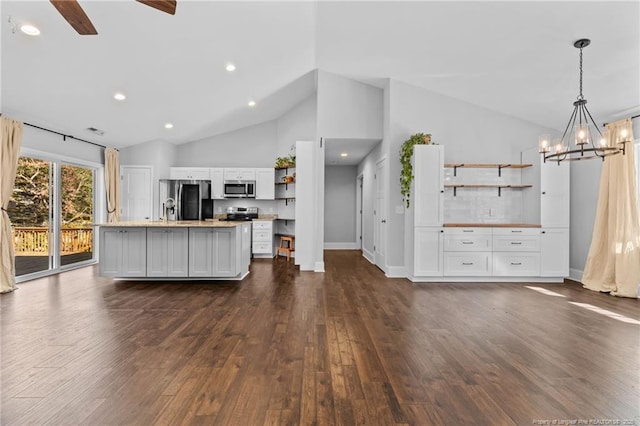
(11, 140)
(613, 263)
(112, 183)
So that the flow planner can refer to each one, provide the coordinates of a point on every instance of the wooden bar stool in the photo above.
(286, 246)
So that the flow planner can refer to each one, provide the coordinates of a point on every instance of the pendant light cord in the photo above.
(580, 97)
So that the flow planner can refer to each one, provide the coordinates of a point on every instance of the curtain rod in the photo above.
(632, 117)
(64, 137)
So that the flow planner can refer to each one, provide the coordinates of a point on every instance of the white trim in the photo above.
(396, 272)
(576, 274)
(319, 267)
(43, 155)
(444, 280)
(368, 255)
(341, 246)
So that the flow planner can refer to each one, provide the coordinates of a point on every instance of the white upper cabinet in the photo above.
(240, 174)
(554, 194)
(428, 193)
(265, 188)
(191, 173)
(217, 183)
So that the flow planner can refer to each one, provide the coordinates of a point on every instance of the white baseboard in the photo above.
(341, 246)
(576, 274)
(367, 255)
(319, 267)
(396, 272)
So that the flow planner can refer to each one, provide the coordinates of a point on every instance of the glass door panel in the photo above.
(76, 214)
(31, 216)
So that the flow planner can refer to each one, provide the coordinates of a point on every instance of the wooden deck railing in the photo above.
(34, 241)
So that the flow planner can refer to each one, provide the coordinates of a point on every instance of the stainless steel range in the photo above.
(242, 213)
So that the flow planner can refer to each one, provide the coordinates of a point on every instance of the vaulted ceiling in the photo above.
(513, 57)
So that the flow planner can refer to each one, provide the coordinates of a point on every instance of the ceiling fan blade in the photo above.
(73, 13)
(167, 6)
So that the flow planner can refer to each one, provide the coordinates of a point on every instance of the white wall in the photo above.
(253, 146)
(468, 132)
(347, 108)
(160, 155)
(54, 144)
(298, 124)
(340, 206)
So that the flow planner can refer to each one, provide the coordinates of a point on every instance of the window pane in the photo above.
(30, 223)
(76, 218)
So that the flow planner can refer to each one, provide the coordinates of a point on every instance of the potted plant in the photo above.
(406, 152)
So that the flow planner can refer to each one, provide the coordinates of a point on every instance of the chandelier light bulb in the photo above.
(543, 143)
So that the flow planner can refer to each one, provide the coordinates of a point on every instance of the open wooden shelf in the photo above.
(499, 166)
(500, 187)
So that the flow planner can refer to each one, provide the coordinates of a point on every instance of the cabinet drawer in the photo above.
(516, 243)
(516, 264)
(516, 231)
(467, 231)
(259, 248)
(470, 242)
(262, 224)
(262, 235)
(467, 264)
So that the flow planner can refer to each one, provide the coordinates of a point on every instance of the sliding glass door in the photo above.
(53, 216)
(31, 216)
(76, 220)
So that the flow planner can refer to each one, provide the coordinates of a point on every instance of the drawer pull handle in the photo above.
(467, 230)
(516, 243)
(516, 263)
(514, 230)
(467, 263)
(467, 242)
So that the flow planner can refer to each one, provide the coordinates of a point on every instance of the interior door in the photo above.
(136, 192)
(380, 217)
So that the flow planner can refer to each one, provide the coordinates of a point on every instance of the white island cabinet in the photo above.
(123, 252)
(212, 252)
(182, 250)
(167, 252)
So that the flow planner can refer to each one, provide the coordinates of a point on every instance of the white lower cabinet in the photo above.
(428, 252)
(212, 252)
(516, 264)
(464, 264)
(123, 252)
(167, 252)
(554, 252)
(262, 242)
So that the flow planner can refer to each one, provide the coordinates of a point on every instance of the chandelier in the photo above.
(582, 131)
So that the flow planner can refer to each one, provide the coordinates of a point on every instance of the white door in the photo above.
(359, 201)
(136, 192)
(380, 217)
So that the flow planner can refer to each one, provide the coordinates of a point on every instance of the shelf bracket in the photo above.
(454, 189)
(499, 191)
(455, 169)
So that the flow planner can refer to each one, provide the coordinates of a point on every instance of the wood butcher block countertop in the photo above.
(174, 223)
(492, 225)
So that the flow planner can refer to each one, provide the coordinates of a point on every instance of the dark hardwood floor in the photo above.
(348, 346)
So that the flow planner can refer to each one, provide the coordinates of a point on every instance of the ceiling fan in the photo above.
(73, 13)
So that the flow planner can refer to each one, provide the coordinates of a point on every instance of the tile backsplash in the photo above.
(482, 205)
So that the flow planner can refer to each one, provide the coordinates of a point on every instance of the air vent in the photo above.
(95, 131)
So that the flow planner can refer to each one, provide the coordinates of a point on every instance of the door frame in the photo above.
(359, 208)
(382, 261)
(99, 213)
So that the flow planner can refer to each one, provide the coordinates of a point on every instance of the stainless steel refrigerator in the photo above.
(186, 196)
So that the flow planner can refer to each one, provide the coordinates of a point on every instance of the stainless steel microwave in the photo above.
(239, 189)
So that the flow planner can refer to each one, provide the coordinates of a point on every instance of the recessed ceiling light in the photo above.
(252, 103)
(230, 67)
(168, 126)
(119, 96)
(30, 30)
(343, 154)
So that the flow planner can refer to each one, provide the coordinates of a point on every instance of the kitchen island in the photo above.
(175, 250)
